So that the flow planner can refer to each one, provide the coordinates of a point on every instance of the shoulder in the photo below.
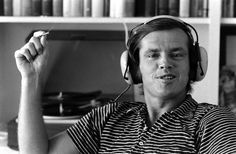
(217, 121)
(217, 129)
(215, 113)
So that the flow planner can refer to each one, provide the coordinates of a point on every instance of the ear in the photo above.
(203, 62)
(123, 64)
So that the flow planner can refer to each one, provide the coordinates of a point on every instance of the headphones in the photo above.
(129, 59)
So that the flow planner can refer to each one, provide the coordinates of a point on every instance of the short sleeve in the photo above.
(87, 131)
(218, 132)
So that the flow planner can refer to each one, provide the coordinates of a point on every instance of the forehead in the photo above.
(176, 37)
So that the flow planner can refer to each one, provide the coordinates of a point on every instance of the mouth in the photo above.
(167, 77)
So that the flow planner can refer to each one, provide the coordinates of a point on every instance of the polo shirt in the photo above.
(120, 127)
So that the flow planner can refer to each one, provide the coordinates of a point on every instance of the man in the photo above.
(163, 56)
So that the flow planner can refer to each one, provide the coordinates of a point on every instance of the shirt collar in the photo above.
(186, 109)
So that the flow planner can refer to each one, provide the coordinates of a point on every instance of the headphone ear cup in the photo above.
(124, 67)
(202, 64)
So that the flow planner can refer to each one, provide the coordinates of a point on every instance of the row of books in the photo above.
(104, 8)
(228, 8)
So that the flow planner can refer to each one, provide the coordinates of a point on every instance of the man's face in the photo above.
(164, 63)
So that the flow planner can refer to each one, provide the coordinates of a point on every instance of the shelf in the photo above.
(87, 20)
(228, 21)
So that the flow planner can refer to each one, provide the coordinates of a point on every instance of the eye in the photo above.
(180, 54)
(152, 54)
(177, 55)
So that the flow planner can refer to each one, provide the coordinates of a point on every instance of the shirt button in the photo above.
(141, 143)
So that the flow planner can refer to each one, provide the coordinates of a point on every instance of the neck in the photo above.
(157, 106)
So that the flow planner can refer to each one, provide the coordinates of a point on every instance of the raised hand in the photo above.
(31, 59)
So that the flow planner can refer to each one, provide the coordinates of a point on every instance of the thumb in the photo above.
(43, 40)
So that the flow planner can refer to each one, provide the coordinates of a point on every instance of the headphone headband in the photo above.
(175, 19)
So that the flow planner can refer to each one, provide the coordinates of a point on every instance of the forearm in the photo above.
(31, 131)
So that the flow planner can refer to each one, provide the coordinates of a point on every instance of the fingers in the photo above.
(41, 35)
(34, 47)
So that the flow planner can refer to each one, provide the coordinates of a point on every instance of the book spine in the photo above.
(1, 8)
(149, 8)
(163, 7)
(129, 8)
(205, 8)
(97, 8)
(76, 8)
(66, 8)
(36, 7)
(200, 8)
(112, 12)
(57, 8)
(106, 8)
(156, 7)
(7, 7)
(223, 8)
(184, 8)
(47, 7)
(139, 8)
(124, 8)
(194, 8)
(26, 7)
(87, 8)
(231, 9)
(173, 7)
(16, 9)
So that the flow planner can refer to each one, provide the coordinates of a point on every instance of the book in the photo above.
(227, 87)
(173, 7)
(230, 8)
(97, 8)
(224, 8)
(184, 6)
(87, 8)
(76, 8)
(36, 7)
(124, 8)
(1, 8)
(163, 7)
(149, 9)
(57, 9)
(7, 7)
(156, 7)
(106, 8)
(205, 8)
(112, 12)
(26, 7)
(66, 8)
(15, 7)
(196, 8)
(47, 7)
(200, 8)
(139, 8)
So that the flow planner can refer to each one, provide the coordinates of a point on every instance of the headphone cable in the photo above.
(122, 93)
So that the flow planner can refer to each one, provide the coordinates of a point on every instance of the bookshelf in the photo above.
(13, 28)
(89, 20)
(228, 21)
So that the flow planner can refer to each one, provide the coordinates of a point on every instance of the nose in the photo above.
(164, 66)
(165, 62)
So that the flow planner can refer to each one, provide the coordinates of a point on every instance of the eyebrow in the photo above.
(177, 49)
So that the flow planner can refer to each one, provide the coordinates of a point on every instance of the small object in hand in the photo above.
(41, 33)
